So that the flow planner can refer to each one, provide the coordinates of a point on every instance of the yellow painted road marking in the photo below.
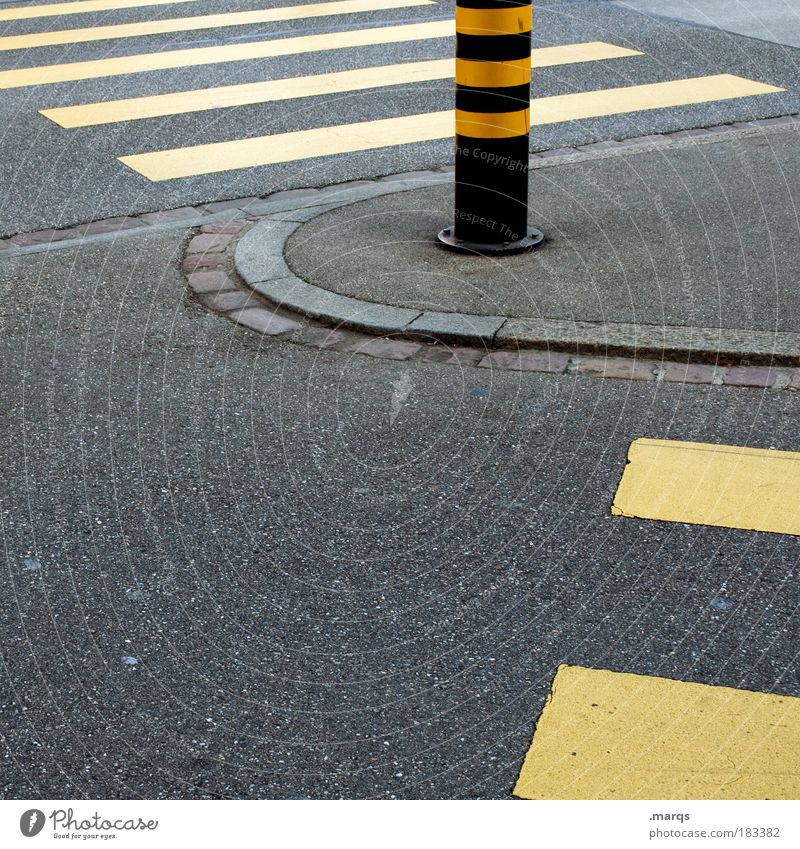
(142, 62)
(78, 7)
(177, 103)
(611, 735)
(226, 19)
(388, 132)
(722, 485)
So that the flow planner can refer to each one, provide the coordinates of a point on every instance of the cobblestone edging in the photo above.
(212, 279)
(190, 216)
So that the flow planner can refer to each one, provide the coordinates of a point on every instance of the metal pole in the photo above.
(493, 74)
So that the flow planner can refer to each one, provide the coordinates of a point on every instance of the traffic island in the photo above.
(684, 250)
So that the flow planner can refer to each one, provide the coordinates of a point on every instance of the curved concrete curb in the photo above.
(259, 260)
(210, 279)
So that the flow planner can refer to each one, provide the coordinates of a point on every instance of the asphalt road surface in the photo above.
(52, 176)
(771, 20)
(242, 568)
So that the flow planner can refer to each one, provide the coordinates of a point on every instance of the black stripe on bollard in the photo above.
(493, 62)
(495, 48)
(505, 99)
(493, 4)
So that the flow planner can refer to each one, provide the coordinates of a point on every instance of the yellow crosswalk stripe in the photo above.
(388, 132)
(143, 62)
(178, 103)
(721, 485)
(613, 735)
(227, 19)
(79, 7)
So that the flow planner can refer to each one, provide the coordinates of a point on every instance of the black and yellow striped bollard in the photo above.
(493, 74)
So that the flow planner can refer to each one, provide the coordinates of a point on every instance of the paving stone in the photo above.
(194, 262)
(687, 134)
(385, 348)
(322, 337)
(264, 321)
(549, 362)
(167, 216)
(556, 151)
(343, 187)
(109, 225)
(596, 147)
(457, 327)
(408, 175)
(209, 282)
(42, 237)
(209, 243)
(225, 205)
(303, 214)
(259, 254)
(297, 295)
(690, 373)
(758, 378)
(448, 355)
(227, 301)
(346, 193)
(651, 139)
(292, 194)
(230, 228)
(5, 246)
(376, 318)
(779, 121)
(281, 202)
(617, 368)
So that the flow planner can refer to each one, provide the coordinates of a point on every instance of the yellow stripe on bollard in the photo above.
(493, 21)
(493, 125)
(479, 74)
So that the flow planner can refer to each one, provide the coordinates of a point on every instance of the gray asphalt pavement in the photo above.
(241, 568)
(56, 177)
(771, 20)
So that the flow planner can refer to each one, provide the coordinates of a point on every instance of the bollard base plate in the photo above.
(532, 240)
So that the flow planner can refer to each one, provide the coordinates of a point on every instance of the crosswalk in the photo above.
(613, 735)
(726, 486)
(428, 126)
(192, 160)
(610, 734)
(201, 22)
(79, 7)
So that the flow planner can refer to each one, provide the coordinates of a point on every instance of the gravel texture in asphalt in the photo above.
(243, 568)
